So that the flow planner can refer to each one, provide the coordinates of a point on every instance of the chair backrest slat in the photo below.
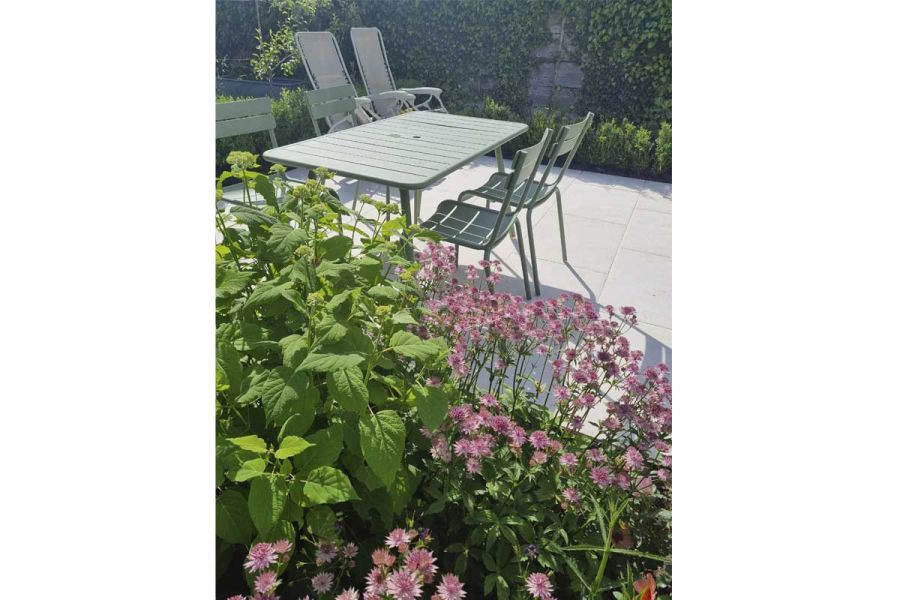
(245, 116)
(566, 144)
(322, 59)
(524, 167)
(332, 104)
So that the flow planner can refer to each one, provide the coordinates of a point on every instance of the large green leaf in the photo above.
(228, 361)
(349, 389)
(382, 437)
(250, 469)
(384, 293)
(293, 349)
(297, 424)
(334, 247)
(321, 521)
(232, 518)
(411, 345)
(251, 216)
(291, 445)
(230, 282)
(327, 485)
(264, 188)
(283, 240)
(325, 362)
(432, 404)
(286, 393)
(266, 293)
(266, 501)
(328, 442)
(253, 443)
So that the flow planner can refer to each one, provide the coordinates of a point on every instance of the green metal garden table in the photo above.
(409, 152)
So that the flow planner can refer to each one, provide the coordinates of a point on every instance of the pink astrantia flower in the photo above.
(265, 582)
(398, 538)
(404, 585)
(490, 401)
(571, 496)
(282, 546)
(633, 458)
(539, 440)
(376, 582)
(600, 476)
(350, 550)
(451, 588)
(237, 597)
(538, 458)
(260, 556)
(569, 460)
(322, 582)
(348, 594)
(382, 557)
(539, 586)
(325, 553)
(421, 560)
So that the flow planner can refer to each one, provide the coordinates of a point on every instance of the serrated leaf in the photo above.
(328, 444)
(297, 424)
(286, 393)
(291, 446)
(252, 217)
(403, 317)
(382, 437)
(411, 345)
(325, 362)
(349, 389)
(266, 501)
(252, 443)
(293, 350)
(321, 521)
(383, 292)
(228, 362)
(335, 247)
(265, 294)
(284, 240)
(233, 518)
(432, 404)
(232, 282)
(327, 485)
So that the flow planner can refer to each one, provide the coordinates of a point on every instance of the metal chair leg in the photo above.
(524, 262)
(417, 206)
(534, 270)
(562, 228)
(355, 195)
(487, 270)
(456, 256)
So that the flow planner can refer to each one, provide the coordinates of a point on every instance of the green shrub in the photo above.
(624, 147)
(663, 164)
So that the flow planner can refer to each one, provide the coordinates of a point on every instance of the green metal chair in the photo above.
(483, 228)
(337, 106)
(244, 117)
(497, 189)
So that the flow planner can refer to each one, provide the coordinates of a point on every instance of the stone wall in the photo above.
(556, 80)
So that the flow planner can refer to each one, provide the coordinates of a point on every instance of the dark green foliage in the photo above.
(627, 49)
(663, 163)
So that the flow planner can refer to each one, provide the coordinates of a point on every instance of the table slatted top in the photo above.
(409, 151)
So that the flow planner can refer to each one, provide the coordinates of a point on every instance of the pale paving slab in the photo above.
(619, 244)
(649, 231)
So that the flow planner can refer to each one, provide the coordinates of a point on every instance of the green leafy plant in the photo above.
(623, 146)
(663, 151)
(317, 369)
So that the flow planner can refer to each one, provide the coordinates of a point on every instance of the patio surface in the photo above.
(619, 242)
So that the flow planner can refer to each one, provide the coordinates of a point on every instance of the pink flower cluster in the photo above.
(401, 570)
(260, 557)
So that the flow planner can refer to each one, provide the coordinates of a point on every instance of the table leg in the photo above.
(499, 154)
(404, 207)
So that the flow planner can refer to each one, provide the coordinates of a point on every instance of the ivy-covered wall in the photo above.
(496, 56)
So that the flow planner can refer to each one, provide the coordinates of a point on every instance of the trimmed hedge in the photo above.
(613, 146)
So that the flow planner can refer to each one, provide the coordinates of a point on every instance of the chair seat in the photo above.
(495, 189)
(466, 224)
